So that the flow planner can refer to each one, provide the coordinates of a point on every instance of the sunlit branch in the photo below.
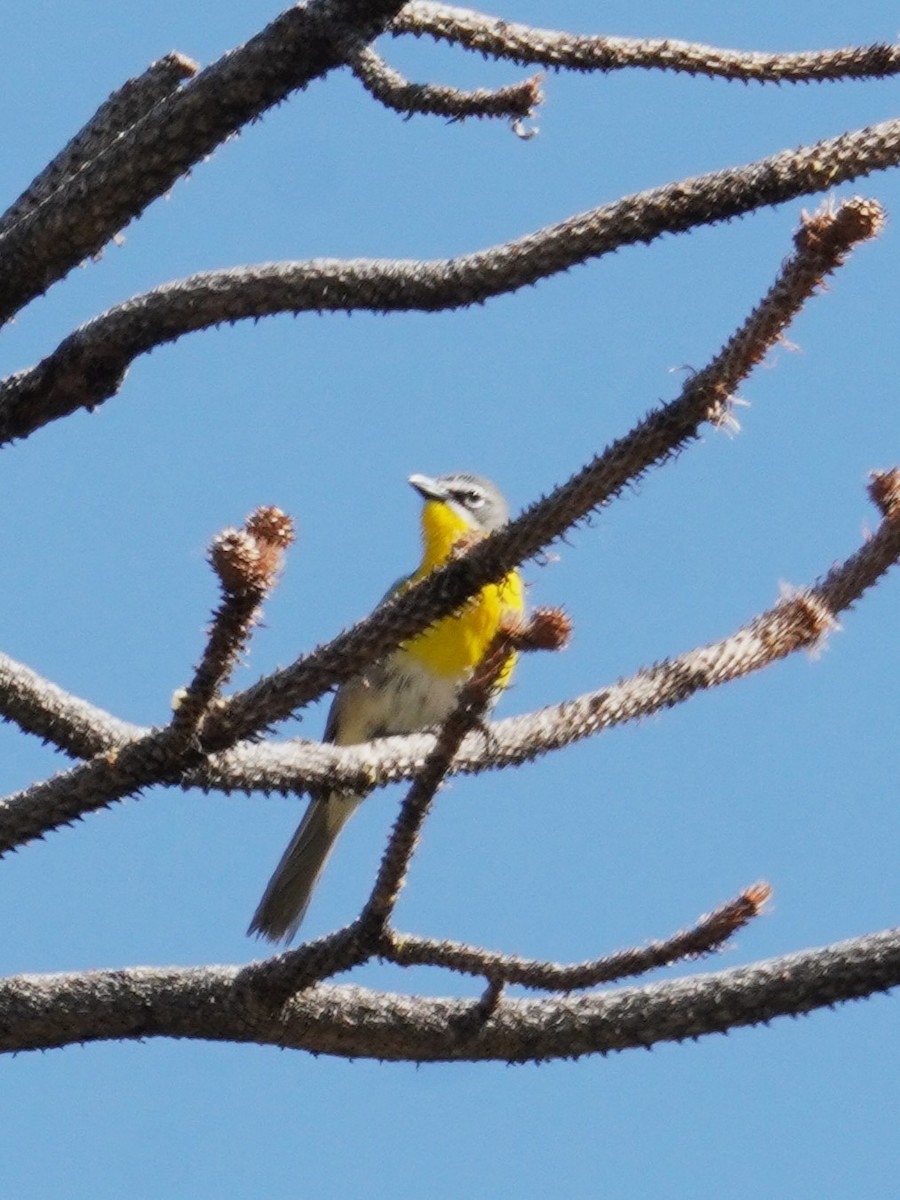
(474, 700)
(498, 38)
(709, 934)
(704, 398)
(515, 102)
(822, 244)
(133, 100)
(247, 562)
(71, 724)
(158, 757)
(90, 364)
(113, 188)
(38, 1012)
(797, 622)
(276, 978)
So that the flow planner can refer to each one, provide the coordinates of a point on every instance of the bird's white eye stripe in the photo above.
(469, 497)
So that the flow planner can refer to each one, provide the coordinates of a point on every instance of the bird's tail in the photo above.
(288, 892)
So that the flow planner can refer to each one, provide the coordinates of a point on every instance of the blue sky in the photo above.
(790, 776)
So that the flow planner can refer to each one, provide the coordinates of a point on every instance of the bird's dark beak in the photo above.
(428, 488)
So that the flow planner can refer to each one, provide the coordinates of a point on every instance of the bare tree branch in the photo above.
(709, 934)
(151, 132)
(704, 398)
(798, 621)
(247, 562)
(516, 102)
(274, 980)
(113, 188)
(503, 39)
(215, 1004)
(133, 100)
(73, 725)
(822, 244)
(90, 365)
(160, 756)
(82, 730)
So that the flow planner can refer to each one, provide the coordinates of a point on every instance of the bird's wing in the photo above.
(334, 713)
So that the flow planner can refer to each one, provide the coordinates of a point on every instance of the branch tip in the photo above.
(834, 228)
(516, 101)
(884, 491)
(498, 38)
(757, 897)
(248, 559)
(178, 62)
(270, 524)
(546, 629)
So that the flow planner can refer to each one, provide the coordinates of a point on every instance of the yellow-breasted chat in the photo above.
(414, 687)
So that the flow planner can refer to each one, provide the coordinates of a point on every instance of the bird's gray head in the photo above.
(475, 499)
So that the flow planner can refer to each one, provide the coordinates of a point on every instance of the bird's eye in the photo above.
(469, 497)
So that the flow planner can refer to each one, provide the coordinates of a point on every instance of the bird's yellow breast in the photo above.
(455, 645)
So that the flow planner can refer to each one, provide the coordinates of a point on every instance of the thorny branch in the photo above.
(247, 562)
(501, 39)
(146, 136)
(821, 245)
(215, 1004)
(71, 724)
(710, 933)
(160, 143)
(115, 117)
(704, 399)
(116, 185)
(276, 979)
(546, 629)
(516, 102)
(90, 364)
(370, 934)
(799, 621)
(470, 710)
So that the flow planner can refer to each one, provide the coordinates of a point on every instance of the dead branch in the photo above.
(796, 622)
(87, 209)
(709, 934)
(38, 1012)
(90, 365)
(516, 102)
(71, 724)
(704, 398)
(125, 107)
(498, 38)
(151, 132)
(247, 562)
(822, 244)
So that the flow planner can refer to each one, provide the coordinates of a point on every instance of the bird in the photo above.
(414, 687)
